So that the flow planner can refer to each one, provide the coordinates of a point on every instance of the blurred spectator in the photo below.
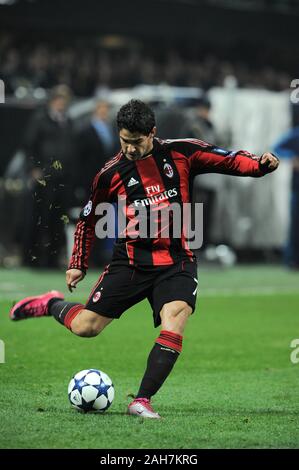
(87, 67)
(288, 147)
(50, 154)
(198, 125)
(97, 142)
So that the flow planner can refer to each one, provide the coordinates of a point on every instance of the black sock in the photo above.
(59, 310)
(159, 365)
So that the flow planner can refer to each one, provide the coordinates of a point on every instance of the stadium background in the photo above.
(239, 385)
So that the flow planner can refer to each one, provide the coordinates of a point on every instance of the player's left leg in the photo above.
(167, 348)
(173, 299)
(174, 316)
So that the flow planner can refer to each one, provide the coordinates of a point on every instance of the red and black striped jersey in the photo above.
(163, 177)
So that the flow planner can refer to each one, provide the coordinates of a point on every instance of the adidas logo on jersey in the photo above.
(132, 182)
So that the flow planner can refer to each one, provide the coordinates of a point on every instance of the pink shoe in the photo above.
(34, 306)
(142, 407)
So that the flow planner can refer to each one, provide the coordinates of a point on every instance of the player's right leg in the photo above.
(73, 316)
(115, 291)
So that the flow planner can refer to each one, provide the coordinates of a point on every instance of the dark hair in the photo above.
(136, 116)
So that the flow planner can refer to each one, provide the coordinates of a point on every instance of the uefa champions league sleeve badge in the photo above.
(87, 209)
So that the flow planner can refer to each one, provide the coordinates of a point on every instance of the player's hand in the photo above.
(269, 161)
(73, 276)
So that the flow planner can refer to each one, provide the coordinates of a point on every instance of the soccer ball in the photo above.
(91, 390)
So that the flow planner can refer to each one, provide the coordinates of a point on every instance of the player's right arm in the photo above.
(73, 276)
(85, 231)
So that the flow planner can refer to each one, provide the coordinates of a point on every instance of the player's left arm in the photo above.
(212, 159)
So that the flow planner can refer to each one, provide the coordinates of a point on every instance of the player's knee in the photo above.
(176, 309)
(88, 324)
(85, 329)
(174, 316)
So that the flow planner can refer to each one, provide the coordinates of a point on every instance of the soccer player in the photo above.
(148, 172)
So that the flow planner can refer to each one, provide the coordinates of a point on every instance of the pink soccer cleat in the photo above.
(142, 407)
(34, 306)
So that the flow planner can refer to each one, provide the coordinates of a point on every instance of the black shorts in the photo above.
(120, 287)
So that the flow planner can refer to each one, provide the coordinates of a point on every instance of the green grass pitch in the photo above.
(234, 385)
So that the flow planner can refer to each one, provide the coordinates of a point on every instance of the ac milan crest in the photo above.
(168, 170)
(96, 296)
